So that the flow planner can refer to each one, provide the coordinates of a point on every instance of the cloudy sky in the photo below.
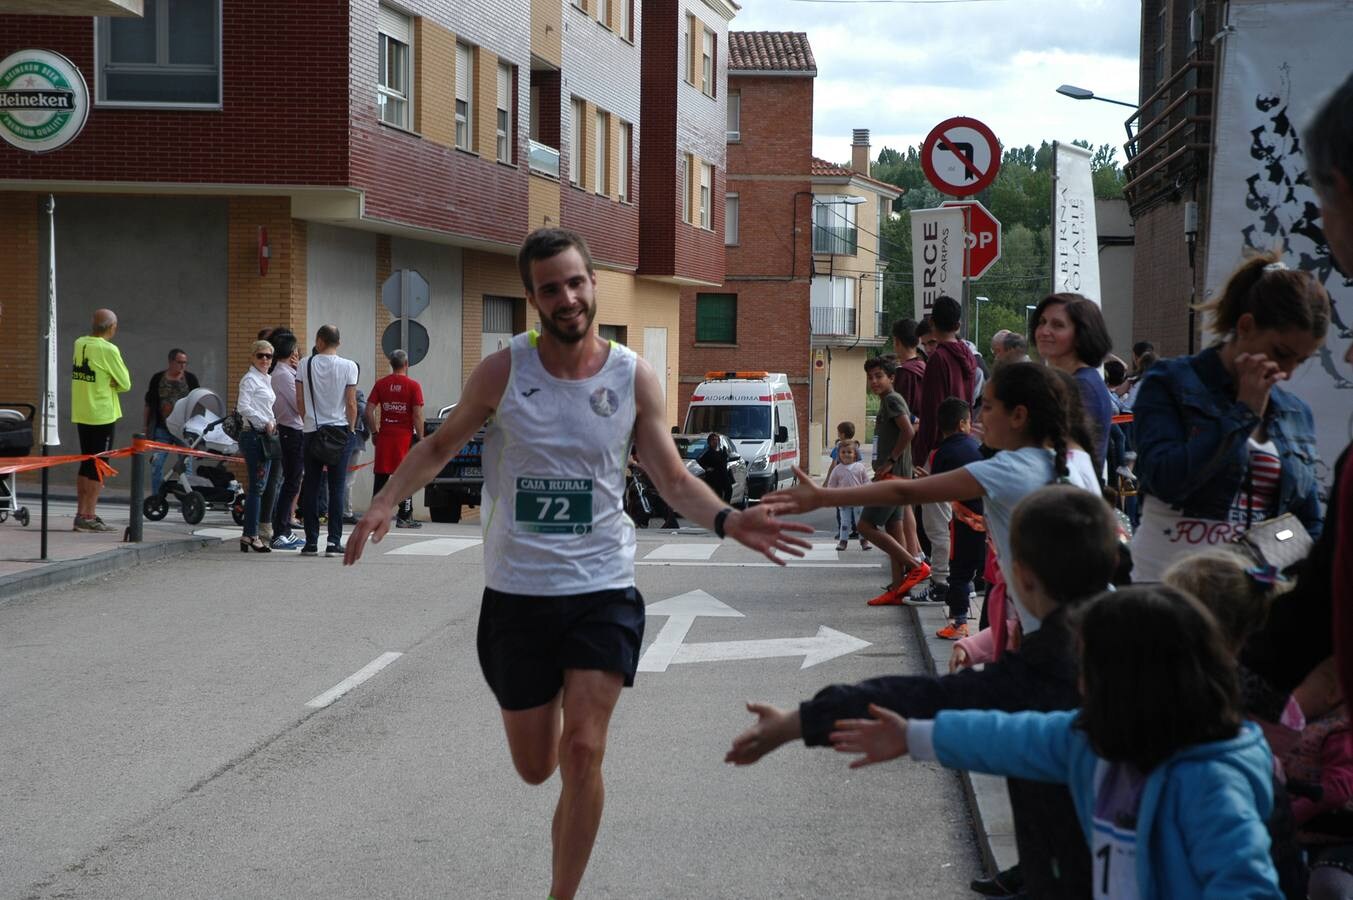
(898, 69)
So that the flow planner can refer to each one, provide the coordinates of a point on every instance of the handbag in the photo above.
(1281, 542)
(232, 425)
(329, 442)
(271, 445)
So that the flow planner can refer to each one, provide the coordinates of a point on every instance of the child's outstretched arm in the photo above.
(806, 496)
(879, 739)
(774, 727)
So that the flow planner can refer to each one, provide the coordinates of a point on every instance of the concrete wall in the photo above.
(160, 264)
(440, 372)
(1115, 272)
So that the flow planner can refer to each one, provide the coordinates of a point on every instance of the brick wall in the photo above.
(494, 274)
(283, 119)
(383, 315)
(258, 301)
(19, 294)
(1161, 279)
(775, 123)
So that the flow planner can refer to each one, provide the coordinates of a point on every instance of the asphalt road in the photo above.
(157, 742)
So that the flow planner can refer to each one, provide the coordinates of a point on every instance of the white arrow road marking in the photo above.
(435, 547)
(827, 644)
(353, 680)
(681, 612)
(790, 561)
(682, 551)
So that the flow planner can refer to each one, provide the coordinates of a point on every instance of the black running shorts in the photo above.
(94, 439)
(526, 643)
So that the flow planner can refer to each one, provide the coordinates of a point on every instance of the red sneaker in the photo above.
(914, 577)
(952, 632)
(890, 597)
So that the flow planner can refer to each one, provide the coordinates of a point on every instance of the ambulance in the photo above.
(756, 411)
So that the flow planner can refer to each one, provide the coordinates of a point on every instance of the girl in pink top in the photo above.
(849, 471)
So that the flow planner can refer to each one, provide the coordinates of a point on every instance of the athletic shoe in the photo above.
(408, 523)
(890, 597)
(841, 545)
(287, 542)
(952, 632)
(82, 524)
(333, 550)
(864, 545)
(914, 577)
(349, 519)
(934, 595)
(309, 550)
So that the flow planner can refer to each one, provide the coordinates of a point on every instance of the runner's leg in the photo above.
(533, 739)
(589, 698)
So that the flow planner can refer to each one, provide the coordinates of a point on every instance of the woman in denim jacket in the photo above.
(1220, 446)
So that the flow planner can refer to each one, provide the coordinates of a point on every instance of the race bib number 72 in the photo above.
(554, 505)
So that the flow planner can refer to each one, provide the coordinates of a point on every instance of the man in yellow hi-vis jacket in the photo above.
(98, 375)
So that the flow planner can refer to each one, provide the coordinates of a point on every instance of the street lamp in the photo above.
(977, 320)
(1080, 93)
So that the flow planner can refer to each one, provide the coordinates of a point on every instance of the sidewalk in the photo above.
(987, 798)
(72, 555)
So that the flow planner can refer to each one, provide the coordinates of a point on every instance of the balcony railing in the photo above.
(1172, 129)
(833, 320)
(544, 159)
(881, 327)
(834, 240)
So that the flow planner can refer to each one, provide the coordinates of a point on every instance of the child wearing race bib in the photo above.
(1171, 786)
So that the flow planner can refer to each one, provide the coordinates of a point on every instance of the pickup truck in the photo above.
(457, 485)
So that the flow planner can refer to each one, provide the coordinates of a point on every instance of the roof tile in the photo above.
(770, 51)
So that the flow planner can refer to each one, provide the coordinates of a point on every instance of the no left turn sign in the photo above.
(961, 156)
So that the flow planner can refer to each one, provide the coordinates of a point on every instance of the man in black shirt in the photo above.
(166, 388)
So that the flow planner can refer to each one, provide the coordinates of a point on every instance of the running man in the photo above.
(561, 623)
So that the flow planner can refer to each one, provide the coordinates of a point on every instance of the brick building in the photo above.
(1168, 169)
(802, 257)
(354, 139)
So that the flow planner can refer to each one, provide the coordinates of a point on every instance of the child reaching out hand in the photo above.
(1171, 786)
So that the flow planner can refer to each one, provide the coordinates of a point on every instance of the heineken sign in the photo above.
(43, 100)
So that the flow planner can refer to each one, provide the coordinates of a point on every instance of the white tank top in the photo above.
(554, 478)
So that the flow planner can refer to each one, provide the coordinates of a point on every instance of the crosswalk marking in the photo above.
(435, 547)
(820, 553)
(690, 552)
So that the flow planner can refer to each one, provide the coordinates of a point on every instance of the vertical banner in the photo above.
(1075, 240)
(51, 437)
(1273, 78)
(937, 242)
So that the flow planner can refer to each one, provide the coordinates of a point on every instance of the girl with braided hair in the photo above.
(1029, 412)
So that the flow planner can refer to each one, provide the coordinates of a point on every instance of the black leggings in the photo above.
(405, 505)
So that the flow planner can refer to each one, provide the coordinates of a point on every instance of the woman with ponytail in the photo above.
(1029, 412)
(1220, 446)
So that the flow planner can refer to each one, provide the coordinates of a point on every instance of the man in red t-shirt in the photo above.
(394, 415)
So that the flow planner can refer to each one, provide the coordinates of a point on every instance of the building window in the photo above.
(734, 116)
(623, 158)
(688, 49)
(627, 19)
(716, 318)
(834, 229)
(617, 333)
(687, 167)
(464, 96)
(575, 143)
(706, 188)
(171, 56)
(730, 220)
(505, 104)
(604, 12)
(707, 62)
(393, 93)
(601, 150)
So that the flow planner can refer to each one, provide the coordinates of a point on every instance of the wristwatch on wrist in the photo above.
(719, 519)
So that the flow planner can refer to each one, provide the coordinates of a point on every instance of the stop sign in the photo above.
(984, 236)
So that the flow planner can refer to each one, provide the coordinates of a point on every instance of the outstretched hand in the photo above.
(880, 739)
(759, 529)
(801, 498)
(773, 727)
(374, 524)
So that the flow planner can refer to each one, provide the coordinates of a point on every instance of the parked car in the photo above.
(692, 446)
(459, 482)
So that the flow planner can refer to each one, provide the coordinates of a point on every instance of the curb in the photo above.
(72, 570)
(988, 801)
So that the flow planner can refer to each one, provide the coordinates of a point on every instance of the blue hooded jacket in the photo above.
(1200, 826)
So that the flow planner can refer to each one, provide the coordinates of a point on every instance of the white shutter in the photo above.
(394, 24)
(504, 87)
(462, 72)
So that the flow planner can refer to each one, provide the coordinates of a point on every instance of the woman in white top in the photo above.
(255, 406)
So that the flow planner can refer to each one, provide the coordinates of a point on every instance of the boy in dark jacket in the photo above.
(1065, 547)
(950, 371)
(968, 533)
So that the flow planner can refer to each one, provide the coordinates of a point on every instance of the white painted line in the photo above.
(821, 553)
(221, 533)
(353, 680)
(762, 565)
(435, 547)
(682, 551)
(827, 644)
(681, 612)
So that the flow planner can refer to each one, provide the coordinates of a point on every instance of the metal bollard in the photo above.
(138, 492)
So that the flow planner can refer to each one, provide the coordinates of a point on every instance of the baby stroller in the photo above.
(16, 439)
(196, 420)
